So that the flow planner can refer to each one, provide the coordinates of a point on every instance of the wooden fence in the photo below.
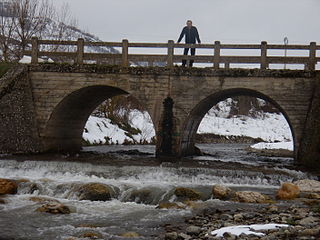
(80, 56)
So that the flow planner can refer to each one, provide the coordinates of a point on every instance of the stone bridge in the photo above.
(45, 106)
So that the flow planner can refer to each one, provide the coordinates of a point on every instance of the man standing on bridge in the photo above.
(191, 35)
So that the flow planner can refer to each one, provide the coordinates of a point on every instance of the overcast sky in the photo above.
(248, 21)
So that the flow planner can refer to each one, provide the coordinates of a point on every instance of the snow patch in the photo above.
(278, 145)
(247, 229)
(27, 60)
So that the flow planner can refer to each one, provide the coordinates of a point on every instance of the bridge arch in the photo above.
(193, 120)
(63, 131)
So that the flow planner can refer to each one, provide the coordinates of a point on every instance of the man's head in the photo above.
(189, 23)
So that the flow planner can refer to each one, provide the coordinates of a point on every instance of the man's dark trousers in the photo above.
(193, 52)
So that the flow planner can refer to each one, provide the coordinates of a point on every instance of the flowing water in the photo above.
(228, 164)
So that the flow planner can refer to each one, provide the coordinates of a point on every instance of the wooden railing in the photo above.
(80, 56)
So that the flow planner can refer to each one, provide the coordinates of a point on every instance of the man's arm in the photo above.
(197, 36)
(181, 35)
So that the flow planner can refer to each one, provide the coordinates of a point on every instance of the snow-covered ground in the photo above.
(269, 127)
(273, 129)
(100, 130)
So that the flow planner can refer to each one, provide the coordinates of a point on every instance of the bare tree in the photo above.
(24, 19)
(7, 31)
(32, 19)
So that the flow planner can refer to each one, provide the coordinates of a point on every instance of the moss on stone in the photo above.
(4, 67)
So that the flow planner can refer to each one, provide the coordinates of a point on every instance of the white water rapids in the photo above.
(56, 179)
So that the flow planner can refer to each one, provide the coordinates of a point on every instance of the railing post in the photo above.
(80, 51)
(312, 56)
(170, 53)
(34, 50)
(264, 62)
(216, 58)
(125, 53)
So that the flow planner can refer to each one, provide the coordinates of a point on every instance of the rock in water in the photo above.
(170, 205)
(54, 208)
(92, 235)
(221, 192)
(130, 235)
(96, 192)
(308, 185)
(185, 194)
(43, 200)
(250, 197)
(288, 191)
(8, 186)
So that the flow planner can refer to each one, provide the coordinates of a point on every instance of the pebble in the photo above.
(308, 221)
(184, 236)
(193, 230)
(171, 236)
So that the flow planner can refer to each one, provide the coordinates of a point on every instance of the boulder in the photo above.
(185, 194)
(2, 201)
(170, 205)
(8, 186)
(96, 192)
(221, 192)
(54, 208)
(288, 191)
(250, 197)
(308, 185)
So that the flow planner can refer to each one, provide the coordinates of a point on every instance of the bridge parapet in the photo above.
(80, 55)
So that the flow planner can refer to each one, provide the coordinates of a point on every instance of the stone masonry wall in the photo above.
(18, 129)
(309, 152)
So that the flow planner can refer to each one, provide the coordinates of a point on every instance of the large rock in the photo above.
(308, 185)
(185, 194)
(96, 192)
(54, 208)
(8, 186)
(250, 197)
(221, 192)
(288, 191)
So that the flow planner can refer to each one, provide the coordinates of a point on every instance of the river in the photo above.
(129, 171)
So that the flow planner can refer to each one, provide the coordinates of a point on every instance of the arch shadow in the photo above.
(64, 129)
(190, 126)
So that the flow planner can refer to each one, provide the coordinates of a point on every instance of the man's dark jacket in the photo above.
(191, 35)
